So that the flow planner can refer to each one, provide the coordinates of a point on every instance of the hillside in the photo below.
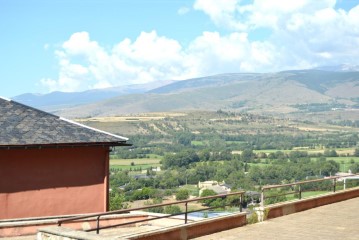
(273, 93)
(60, 100)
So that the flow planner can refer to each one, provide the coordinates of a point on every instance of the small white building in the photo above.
(218, 187)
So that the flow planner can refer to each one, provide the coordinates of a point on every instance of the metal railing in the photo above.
(297, 188)
(122, 211)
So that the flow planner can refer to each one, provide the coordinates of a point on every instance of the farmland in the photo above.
(244, 150)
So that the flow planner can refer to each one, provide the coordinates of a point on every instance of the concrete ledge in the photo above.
(30, 226)
(61, 233)
(281, 209)
(195, 229)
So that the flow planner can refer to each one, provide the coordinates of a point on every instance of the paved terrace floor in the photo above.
(335, 221)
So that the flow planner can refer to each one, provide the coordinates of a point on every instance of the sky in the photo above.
(77, 45)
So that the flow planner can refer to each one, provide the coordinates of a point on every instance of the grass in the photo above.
(343, 159)
(258, 164)
(198, 143)
(306, 194)
(128, 167)
(136, 161)
(344, 162)
(316, 150)
(271, 151)
(143, 163)
(192, 189)
(154, 156)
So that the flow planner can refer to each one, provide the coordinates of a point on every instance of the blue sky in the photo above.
(75, 45)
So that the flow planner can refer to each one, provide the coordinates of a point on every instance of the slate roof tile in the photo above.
(24, 125)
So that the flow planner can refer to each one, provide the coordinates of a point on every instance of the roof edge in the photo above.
(6, 99)
(93, 129)
(64, 145)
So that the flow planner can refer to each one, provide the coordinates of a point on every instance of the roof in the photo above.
(217, 189)
(226, 185)
(22, 125)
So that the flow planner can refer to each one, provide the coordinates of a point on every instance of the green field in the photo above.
(128, 167)
(199, 143)
(344, 162)
(143, 163)
(258, 164)
(343, 159)
(192, 189)
(136, 161)
(271, 151)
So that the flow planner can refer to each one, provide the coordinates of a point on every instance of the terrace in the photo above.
(332, 193)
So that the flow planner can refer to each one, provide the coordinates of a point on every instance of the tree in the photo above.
(117, 201)
(172, 209)
(356, 152)
(155, 209)
(207, 193)
(182, 194)
(330, 153)
(247, 155)
(181, 159)
(354, 168)
(330, 168)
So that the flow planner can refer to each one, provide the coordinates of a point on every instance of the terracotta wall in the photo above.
(52, 181)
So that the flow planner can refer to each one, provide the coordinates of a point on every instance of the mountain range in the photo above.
(281, 92)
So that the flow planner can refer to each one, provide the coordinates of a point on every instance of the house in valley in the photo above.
(218, 187)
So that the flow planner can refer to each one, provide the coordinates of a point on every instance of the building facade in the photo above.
(51, 166)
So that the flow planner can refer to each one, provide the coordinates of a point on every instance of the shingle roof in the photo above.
(23, 125)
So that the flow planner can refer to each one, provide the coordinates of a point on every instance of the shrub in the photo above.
(172, 209)
(182, 194)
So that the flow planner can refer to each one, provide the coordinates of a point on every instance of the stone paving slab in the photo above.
(31, 237)
(330, 222)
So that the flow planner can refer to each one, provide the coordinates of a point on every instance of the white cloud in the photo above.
(221, 12)
(84, 64)
(303, 34)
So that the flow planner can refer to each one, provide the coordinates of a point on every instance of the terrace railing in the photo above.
(296, 189)
(98, 216)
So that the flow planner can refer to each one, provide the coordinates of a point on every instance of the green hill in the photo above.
(277, 93)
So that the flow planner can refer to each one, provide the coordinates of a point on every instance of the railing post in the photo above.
(345, 183)
(240, 202)
(98, 225)
(185, 216)
(300, 192)
(334, 184)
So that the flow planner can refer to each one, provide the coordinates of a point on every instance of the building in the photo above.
(50, 165)
(218, 187)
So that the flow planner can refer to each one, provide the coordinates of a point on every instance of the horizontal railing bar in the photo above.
(154, 218)
(307, 181)
(147, 207)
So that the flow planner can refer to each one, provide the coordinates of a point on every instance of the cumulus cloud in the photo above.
(302, 34)
(84, 64)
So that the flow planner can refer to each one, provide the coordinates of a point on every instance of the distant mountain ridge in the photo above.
(280, 92)
(57, 100)
(340, 68)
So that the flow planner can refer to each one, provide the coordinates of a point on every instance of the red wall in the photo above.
(53, 181)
